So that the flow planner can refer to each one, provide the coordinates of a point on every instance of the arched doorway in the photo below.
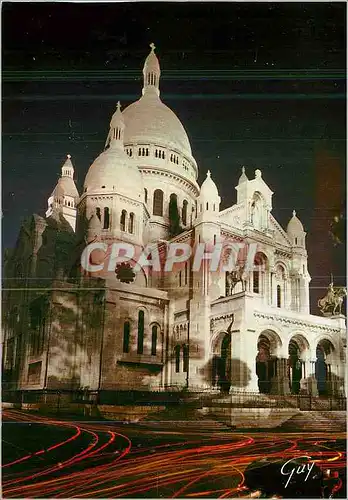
(266, 360)
(298, 376)
(294, 366)
(221, 369)
(323, 372)
(264, 368)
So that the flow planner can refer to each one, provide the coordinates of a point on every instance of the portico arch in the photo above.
(324, 367)
(298, 352)
(221, 361)
(268, 347)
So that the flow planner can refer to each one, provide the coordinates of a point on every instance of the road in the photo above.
(50, 458)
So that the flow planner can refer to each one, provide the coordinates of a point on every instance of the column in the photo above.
(310, 376)
(287, 294)
(303, 381)
(243, 363)
(251, 280)
(285, 380)
(304, 296)
(271, 288)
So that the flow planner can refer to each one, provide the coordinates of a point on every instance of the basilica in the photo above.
(123, 328)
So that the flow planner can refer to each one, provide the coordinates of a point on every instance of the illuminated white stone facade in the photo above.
(180, 329)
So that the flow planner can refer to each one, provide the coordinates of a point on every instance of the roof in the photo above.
(149, 121)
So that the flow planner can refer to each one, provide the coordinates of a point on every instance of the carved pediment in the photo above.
(223, 322)
(280, 235)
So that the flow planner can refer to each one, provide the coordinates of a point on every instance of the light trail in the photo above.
(103, 460)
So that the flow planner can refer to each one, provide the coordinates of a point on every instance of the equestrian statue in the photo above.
(331, 304)
(239, 275)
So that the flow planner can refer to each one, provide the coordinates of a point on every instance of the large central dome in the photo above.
(148, 120)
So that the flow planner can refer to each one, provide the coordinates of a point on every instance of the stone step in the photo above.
(317, 421)
(196, 425)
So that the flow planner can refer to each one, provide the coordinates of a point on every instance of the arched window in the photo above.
(186, 273)
(98, 213)
(174, 215)
(207, 206)
(184, 212)
(186, 357)
(123, 220)
(145, 195)
(180, 282)
(158, 202)
(256, 282)
(256, 211)
(106, 218)
(295, 241)
(177, 358)
(260, 266)
(279, 296)
(126, 336)
(140, 349)
(154, 335)
(131, 223)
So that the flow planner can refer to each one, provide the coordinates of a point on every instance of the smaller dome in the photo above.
(66, 187)
(243, 177)
(113, 170)
(209, 191)
(295, 225)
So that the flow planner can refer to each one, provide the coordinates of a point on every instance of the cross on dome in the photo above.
(209, 174)
(68, 156)
(151, 72)
(118, 105)
(294, 213)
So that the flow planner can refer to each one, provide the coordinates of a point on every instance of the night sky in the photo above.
(255, 84)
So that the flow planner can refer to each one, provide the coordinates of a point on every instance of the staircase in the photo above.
(316, 421)
(198, 426)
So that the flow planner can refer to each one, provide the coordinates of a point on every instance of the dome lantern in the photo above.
(116, 133)
(209, 195)
(296, 231)
(67, 168)
(243, 177)
(151, 72)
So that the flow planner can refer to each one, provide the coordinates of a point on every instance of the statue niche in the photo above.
(256, 211)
